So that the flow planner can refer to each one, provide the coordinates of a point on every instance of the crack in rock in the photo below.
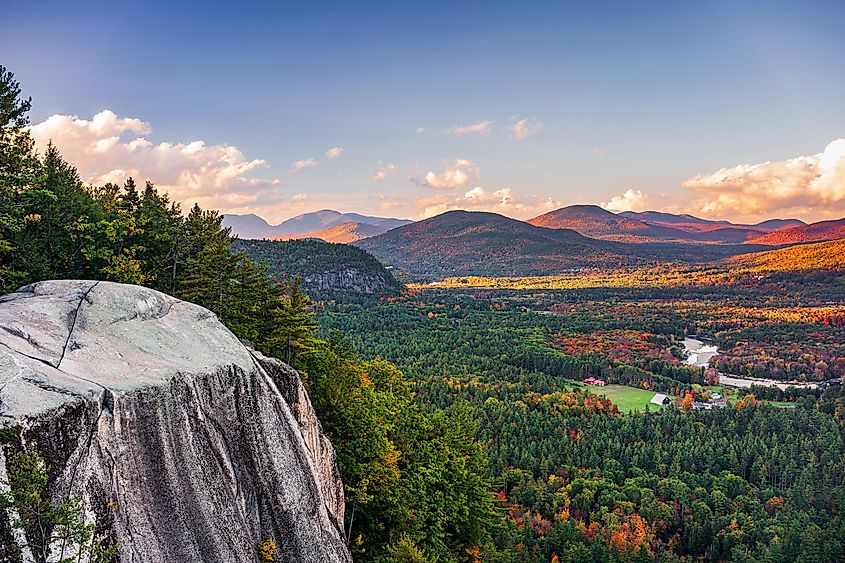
(36, 358)
(47, 387)
(15, 331)
(72, 322)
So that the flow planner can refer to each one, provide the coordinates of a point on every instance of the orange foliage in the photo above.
(633, 533)
(749, 400)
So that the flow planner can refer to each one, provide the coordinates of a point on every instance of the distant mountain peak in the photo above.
(310, 224)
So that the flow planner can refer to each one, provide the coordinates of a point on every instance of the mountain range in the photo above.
(458, 242)
(571, 238)
(691, 223)
(596, 222)
(327, 224)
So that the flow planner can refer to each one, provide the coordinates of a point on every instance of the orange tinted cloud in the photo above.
(810, 187)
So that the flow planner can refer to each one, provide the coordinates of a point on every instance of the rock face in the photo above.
(348, 279)
(183, 444)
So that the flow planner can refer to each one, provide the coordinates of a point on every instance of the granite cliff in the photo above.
(182, 443)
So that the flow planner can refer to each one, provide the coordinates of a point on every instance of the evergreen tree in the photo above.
(20, 174)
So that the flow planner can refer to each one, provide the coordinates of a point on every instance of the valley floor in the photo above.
(590, 472)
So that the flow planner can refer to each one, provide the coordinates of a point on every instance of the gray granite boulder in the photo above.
(184, 444)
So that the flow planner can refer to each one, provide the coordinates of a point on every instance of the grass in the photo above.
(781, 404)
(627, 399)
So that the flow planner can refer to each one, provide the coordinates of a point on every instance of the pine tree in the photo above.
(293, 323)
(53, 531)
(20, 172)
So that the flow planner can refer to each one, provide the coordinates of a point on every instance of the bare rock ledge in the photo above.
(184, 444)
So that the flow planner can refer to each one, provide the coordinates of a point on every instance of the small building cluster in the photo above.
(594, 381)
(716, 401)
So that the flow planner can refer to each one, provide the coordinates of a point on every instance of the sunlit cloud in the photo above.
(383, 171)
(480, 128)
(525, 128)
(386, 204)
(631, 200)
(300, 164)
(810, 187)
(109, 148)
(597, 152)
(502, 201)
(334, 152)
(458, 174)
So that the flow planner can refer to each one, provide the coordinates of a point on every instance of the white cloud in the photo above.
(809, 187)
(109, 148)
(479, 199)
(458, 174)
(383, 171)
(597, 152)
(300, 164)
(422, 129)
(334, 152)
(631, 200)
(480, 128)
(525, 128)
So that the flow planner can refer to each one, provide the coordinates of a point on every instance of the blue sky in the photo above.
(613, 98)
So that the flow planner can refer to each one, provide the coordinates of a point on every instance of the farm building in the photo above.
(660, 399)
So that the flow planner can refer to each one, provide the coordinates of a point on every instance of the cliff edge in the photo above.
(184, 444)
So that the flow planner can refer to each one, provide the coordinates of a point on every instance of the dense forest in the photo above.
(760, 480)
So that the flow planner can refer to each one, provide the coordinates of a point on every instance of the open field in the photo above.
(627, 398)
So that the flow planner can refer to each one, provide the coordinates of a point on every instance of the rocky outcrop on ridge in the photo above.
(183, 444)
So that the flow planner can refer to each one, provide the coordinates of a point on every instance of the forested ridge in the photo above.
(326, 268)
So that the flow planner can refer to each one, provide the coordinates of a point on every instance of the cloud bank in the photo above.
(109, 148)
(810, 187)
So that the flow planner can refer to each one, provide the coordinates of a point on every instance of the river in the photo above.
(699, 354)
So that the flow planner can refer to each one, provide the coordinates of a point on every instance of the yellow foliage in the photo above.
(267, 550)
(749, 400)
